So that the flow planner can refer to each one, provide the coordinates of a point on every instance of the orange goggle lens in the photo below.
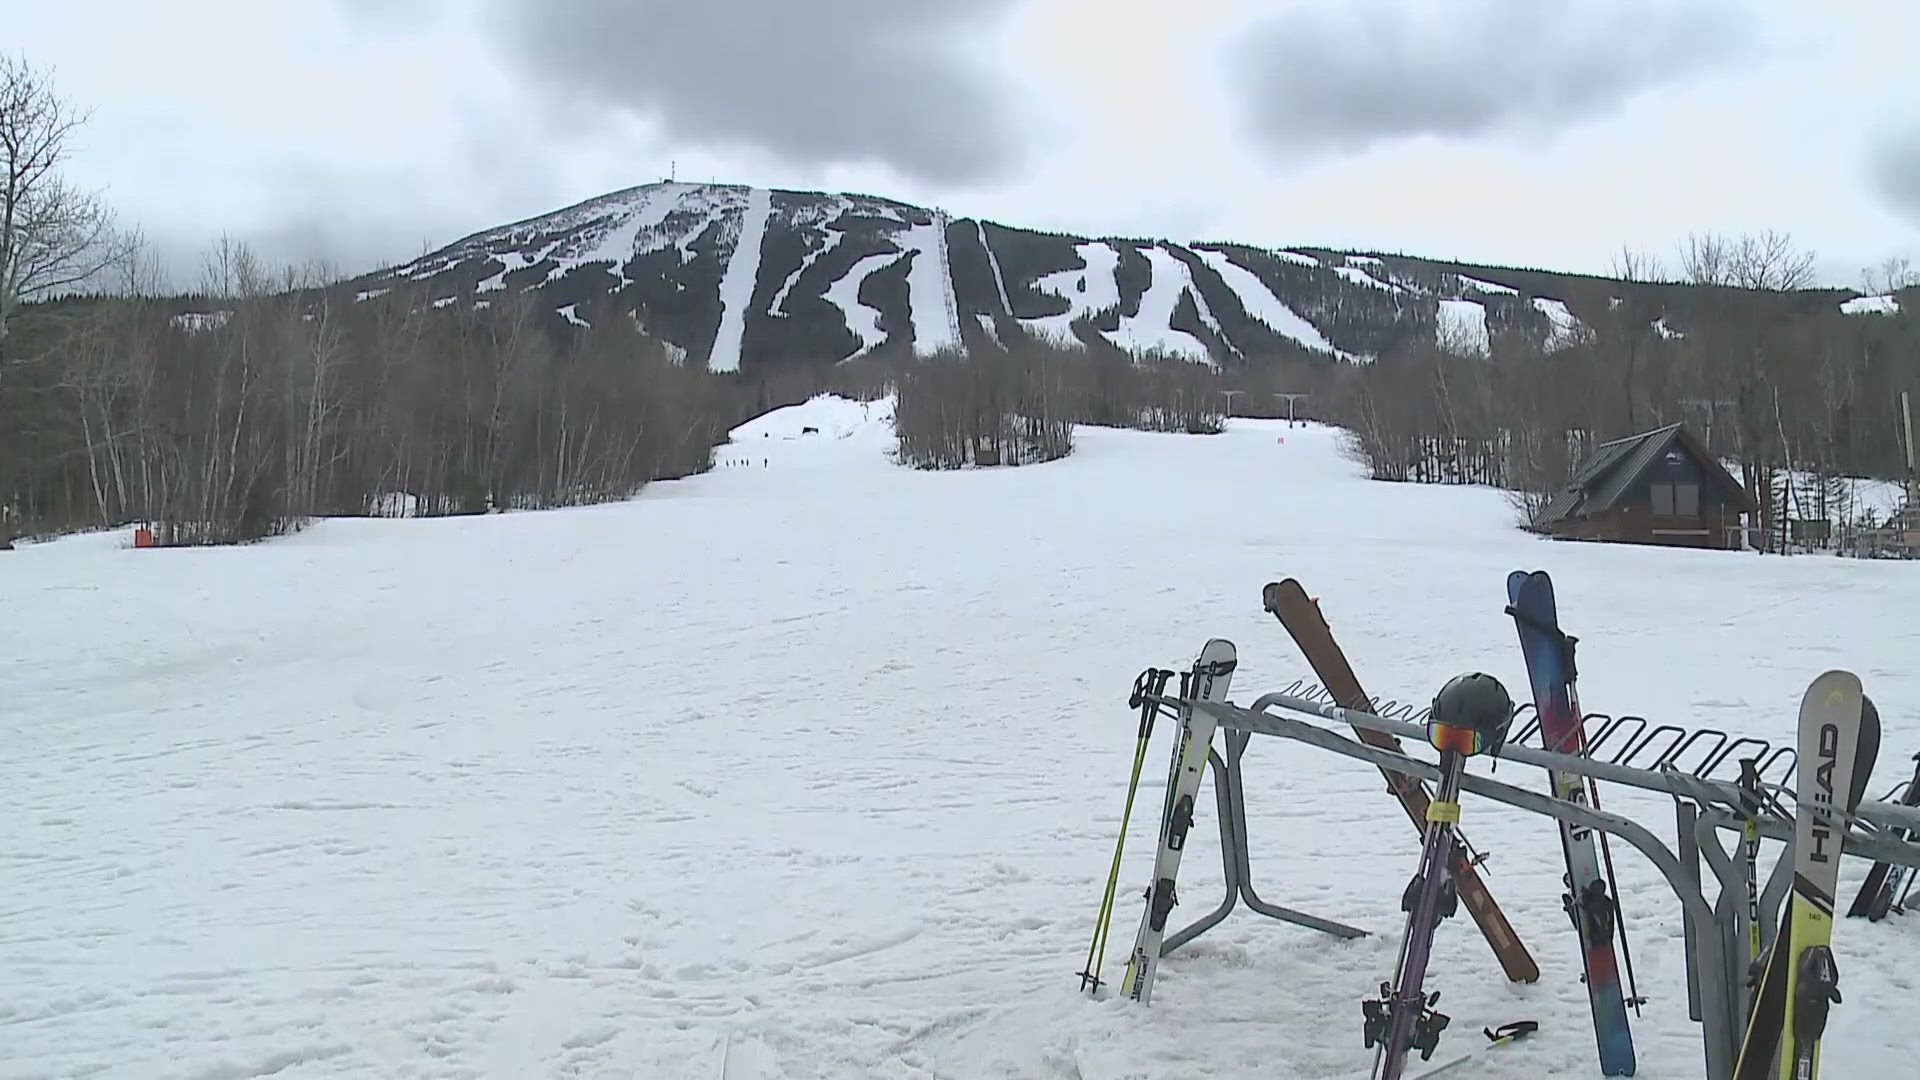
(1458, 739)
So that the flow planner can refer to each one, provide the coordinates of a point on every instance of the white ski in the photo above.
(1212, 673)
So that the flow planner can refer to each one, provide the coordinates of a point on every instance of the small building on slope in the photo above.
(1657, 487)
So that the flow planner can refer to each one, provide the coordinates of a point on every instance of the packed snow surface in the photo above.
(862, 318)
(1567, 327)
(1493, 287)
(1871, 305)
(1088, 288)
(736, 285)
(1361, 277)
(811, 767)
(1151, 328)
(1462, 324)
(930, 302)
(1260, 303)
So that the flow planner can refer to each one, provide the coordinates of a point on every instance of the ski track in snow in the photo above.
(936, 326)
(844, 294)
(736, 285)
(1262, 304)
(1151, 328)
(822, 781)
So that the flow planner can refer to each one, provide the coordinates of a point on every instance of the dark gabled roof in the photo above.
(1607, 474)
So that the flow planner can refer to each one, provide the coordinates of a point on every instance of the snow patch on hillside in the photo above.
(1462, 324)
(1090, 288)
(1493, 287)
(1567, 327)
(1871, 305)
(1361, 277)
(736, 286)
(509, 262)
(195, 322)
(1301, 258)
(1152, 328)
(861, 318)
(1260, 303)
(930, 303)
(569, 314)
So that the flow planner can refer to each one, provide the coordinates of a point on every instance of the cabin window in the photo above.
(1676, 500)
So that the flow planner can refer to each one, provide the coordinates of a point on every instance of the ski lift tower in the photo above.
(1291, 398)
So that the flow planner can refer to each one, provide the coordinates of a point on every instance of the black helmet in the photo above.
(1475, 700)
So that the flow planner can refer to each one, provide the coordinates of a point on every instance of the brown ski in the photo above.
(1300, 614)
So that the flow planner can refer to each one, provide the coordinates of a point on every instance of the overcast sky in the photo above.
(1528, 132)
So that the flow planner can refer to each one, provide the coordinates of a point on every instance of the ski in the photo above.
(1590, 899)
(1208, 681)
(1882, 887)
(1470, 716)
(1300, 614)
(1838, 743)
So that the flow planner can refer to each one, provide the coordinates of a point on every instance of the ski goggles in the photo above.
(1460, 740)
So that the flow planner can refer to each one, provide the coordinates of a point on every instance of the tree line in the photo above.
(1772, 374)
(278, 403)
(1014, 398)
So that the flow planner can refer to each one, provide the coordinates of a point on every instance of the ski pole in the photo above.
(1750, 850)
(1146, 694)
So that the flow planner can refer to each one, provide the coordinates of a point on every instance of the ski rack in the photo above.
(1715, 933)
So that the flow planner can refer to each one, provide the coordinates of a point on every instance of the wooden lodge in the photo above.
(1657, 487)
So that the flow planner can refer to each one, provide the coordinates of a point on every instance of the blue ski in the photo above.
(1588, 900)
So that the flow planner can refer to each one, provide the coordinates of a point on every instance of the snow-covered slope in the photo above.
(1151, 329)
(736, 289)
(1462, 325)
(1260, 303)
(822, 759)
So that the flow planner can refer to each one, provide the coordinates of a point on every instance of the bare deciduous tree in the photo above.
(53, 236)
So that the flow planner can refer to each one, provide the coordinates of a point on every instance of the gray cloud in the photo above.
(827, 82)
(1896, 170)
(1342, 77)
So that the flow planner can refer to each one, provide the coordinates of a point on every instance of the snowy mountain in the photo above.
(742, 277)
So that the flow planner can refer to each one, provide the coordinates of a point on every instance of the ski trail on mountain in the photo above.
(1261, 304)
(999, 279)
(833, 238)
(736, 287)
(929, 299)
(862, 319)
(1153, 328)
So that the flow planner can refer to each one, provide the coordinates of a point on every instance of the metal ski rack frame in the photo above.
(1230, 801)
(1715, 932)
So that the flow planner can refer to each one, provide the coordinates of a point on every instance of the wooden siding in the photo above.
(1714, 527)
